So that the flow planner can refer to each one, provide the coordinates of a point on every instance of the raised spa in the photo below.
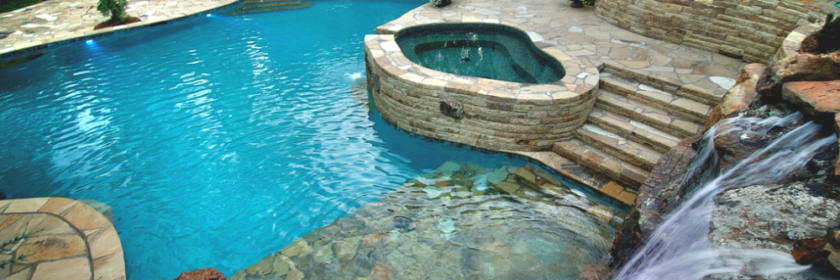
(480, 50)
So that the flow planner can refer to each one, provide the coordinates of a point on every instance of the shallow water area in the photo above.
(461, 221)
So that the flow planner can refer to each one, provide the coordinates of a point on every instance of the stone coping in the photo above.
(59, 238)
(579, 80)
(55, 22)
(793, 41)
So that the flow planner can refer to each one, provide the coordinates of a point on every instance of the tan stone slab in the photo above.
(51, 248)
(110, 267)
(26, 205)
(104, 242)
(23, 274)
(67, 269)
(84, 217)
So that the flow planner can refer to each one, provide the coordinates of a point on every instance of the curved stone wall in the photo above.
(490, 114)
(749, 29)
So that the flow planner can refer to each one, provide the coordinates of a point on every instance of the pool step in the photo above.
(608, 165)
(669, 85)
(260, 6)
(635, 131)
(654, 97)
(674, 125)
(613, 144)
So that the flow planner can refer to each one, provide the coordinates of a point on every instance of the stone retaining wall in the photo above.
(490, 114)
(749, 29)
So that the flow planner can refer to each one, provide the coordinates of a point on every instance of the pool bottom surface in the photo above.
(461, 221)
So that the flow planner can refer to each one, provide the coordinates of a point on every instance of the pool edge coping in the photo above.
(91, 34)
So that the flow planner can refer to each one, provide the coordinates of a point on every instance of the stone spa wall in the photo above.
(749, 29)
(485, 113)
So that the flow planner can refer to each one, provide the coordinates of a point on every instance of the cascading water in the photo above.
(680, 249)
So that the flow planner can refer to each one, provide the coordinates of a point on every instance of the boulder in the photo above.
(660, 194)
(441, 3)
(799, 67)
(820, 99)
(202, 274)
(739, 96)
(795, 218)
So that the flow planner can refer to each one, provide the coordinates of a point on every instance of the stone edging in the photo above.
(793, 41)
(57, 221)
(497, 115)
(14, 51)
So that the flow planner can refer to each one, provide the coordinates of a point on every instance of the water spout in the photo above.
(680, 249)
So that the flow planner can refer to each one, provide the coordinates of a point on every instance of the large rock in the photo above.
(795, 218)
(202, 274)
(659, 195)
(739, 96)
(800, 67)
(819, 99)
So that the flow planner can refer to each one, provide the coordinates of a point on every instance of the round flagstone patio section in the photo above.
(58, 238)
(480, 112)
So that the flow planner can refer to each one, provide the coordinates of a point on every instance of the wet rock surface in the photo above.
(202, 274)
(738, 97)
(794, 218)
(659, 195)
(460, 221)
(799, 67)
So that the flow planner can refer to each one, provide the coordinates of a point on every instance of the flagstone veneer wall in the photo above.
(750, 29)
(490, 114)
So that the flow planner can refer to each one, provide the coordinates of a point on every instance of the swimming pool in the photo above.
(216, 140)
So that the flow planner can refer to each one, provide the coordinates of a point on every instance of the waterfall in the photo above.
(680, 248)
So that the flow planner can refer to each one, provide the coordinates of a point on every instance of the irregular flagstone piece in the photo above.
(52, 241)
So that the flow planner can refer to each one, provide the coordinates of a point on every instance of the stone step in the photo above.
(633, 130)
(677, 105)
(617, 146)
(608, 165)
(655, 117)
(670, 85)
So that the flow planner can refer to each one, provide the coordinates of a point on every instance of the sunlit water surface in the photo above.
(216, 140)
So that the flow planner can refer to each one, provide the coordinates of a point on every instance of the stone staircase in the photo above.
(260, 6)
(636, 119)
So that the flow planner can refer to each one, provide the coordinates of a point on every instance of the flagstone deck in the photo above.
(56, 21)
(57, 238)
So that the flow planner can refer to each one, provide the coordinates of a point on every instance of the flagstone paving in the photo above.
(57, 238)
(54, 21)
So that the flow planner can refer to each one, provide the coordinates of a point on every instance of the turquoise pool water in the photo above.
(485, 50)
(217, 140)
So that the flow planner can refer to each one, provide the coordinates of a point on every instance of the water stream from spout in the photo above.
(680, 249)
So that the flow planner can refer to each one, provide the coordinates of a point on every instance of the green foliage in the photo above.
(11, 5)
(827, 37)
(116, 8)
(12, 241)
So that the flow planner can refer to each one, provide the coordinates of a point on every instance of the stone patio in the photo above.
(57, 238)
(55, 21)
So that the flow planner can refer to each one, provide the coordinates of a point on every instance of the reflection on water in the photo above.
(461, 221)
